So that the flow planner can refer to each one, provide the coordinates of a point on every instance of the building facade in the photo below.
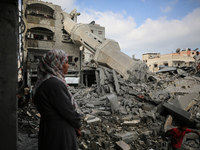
(44, 31)
(180, 59)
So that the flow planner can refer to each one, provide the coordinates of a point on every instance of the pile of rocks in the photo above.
(131, 114)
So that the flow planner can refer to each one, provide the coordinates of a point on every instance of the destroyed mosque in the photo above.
(124, 106)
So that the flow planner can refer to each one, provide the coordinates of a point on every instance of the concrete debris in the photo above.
(168, 123)
(116, 82)
(186, 101)
(93, 120)
(132, 122)
(129, 114)
(121, 145)
(180, 113)
(112, 99)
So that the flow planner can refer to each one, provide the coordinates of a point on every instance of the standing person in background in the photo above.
(59, 119)
(177, 134)
(27, 95)
(197, 62)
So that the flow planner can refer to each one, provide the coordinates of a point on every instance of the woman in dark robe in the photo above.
(59, 119)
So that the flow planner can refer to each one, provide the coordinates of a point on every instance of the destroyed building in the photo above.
(125, 107)
(119, 114)
(178, 59)
(44, 31)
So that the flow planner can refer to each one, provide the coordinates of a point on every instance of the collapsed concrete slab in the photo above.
(106, 51)
(185, 101)
(178, 112)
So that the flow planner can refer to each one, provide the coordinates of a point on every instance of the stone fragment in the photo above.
(148, 107)
(112, 98)
(168, 123)
(151, 114)
(132, 122)
(89, 105)
(128, 137)
(178, 111)
(121, 145)
(116, 81)
(96, 119)
(184, 101)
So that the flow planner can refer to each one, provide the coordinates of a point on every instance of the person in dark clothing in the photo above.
(59, 118)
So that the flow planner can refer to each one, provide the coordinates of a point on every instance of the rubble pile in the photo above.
(132, 114)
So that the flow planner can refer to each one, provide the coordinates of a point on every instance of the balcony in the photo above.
(40, 20)
(40, 44)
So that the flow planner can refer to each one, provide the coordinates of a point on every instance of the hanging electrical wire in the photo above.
(22, 28)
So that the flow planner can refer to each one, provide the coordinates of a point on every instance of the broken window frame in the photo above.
(40, 34)
(40, 10)
(100, 32)
(155, 65)
(70, 59)
(166, 64)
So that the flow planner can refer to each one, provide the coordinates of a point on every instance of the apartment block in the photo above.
(179, 59)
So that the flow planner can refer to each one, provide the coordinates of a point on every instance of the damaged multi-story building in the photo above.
(48, 27)
(178, 59)
(44, 31)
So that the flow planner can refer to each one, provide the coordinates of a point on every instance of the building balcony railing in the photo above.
(40, 20)
(40, 44)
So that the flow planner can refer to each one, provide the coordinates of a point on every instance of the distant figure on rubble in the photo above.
(197, 62)
(27, 95)
(60, 123)
(176, 135)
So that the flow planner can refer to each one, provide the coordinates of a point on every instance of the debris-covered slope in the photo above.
(128, 114)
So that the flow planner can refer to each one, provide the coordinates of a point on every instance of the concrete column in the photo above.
(8, 73)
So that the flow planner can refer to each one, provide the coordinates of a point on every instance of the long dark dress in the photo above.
(58, 118)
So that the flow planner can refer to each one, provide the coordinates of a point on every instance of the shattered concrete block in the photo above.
(90, 105)
(106, 113)
(147, 132)
(141, 142)
(84, 145)
(112, 98)
(109, 77)
(94, 120)
(116, 81)
(97, 81)
(94, 145)
(160, 108)
(102, 76)
(192, 136)
(110, 130)
(148, 107)
(168, 123)
(128, 137)
(151, 114)
(132, 122)
(121, 145)
(185, 100)
(141, 113)
(177, 111)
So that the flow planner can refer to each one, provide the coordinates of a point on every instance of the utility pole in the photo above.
(8, 73)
